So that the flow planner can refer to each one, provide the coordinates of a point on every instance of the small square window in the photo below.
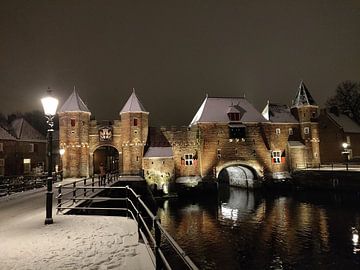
(306, 130)
(291, 132)
(72, 122)
(189, 159)
(218, 152)
(135, 122)
(277, 131)
(31, 148)
(276, 155)
(1, 147)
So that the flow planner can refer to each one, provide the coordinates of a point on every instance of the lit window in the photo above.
(189, 159)
(276, 155)
(72, 122)
(1, 147)
(135, 122)
(306, 130)
(277, 131)
(218, 152)
(291, 132)
(27, 160)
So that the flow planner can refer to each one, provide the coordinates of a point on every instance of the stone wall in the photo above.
(159, 171)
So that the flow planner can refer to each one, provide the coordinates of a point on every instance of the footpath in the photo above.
(71, 242)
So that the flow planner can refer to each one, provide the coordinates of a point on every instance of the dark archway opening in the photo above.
(107, 155)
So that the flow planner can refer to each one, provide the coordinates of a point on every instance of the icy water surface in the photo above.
(246, 230)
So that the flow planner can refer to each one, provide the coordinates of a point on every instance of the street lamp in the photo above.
(346, 153)
(49, 104)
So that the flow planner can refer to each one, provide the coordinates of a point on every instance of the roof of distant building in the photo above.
(296, 144)
(277, 113)
(345, 122)
(303, 97)
(216, 109)
(158, 152)
(156, 138)
(22, 130)
(74, 104)
(133, 104)
(5, 135)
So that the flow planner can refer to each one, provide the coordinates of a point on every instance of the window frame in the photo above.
(188, 159)
(276, 156)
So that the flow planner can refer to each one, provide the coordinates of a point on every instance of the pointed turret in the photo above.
(303, 97)
(134, 126)
(133, 105)
(74, 104)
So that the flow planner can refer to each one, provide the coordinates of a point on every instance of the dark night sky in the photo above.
(174, 52)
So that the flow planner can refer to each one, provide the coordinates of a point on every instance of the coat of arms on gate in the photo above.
(105, 134)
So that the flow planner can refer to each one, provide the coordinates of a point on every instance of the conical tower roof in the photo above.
(133, 105)
(74, 104)
(303, 97)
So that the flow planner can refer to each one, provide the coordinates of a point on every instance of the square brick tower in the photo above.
(74, 118)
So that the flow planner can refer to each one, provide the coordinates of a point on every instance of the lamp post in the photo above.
(61, 152)
(49, 104)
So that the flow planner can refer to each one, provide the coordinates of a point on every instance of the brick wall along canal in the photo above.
(247, 230)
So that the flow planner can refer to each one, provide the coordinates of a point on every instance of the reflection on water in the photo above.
(247, 230)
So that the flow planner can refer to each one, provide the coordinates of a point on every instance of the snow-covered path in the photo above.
(72, 242)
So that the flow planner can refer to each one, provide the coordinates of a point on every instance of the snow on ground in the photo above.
(72, 242)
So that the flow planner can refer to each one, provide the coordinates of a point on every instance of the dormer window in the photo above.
(234, 116)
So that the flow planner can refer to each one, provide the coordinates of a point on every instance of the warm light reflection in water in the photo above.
(248, 230)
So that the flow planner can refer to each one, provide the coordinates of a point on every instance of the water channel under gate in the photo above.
(241, 229)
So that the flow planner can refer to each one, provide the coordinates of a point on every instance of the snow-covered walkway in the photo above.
(72, 242)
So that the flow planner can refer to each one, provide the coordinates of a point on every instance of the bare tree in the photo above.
(347, 99)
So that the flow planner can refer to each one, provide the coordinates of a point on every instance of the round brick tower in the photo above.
(134, 131)
(305, 109)
(74, 118)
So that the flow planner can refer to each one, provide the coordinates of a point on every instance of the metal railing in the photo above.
(149, 227)
(13, 184)
(328, 166)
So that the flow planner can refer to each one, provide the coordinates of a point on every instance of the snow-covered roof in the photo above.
(133, 104)
(5, 135)
(164, 152)
(215, 110)
(22, 130)
(278, 113)
(345, 122)
(74, 104)
(303, 97)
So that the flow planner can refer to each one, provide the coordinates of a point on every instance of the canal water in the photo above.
(239, 229)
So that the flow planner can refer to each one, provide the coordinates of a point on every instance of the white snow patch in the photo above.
(72, 242)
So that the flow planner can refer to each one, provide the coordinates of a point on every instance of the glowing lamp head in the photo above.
(345, 145)
(49, 104)
(62, 151)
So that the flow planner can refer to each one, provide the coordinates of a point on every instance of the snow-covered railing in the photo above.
(149, 225)
(328, 167)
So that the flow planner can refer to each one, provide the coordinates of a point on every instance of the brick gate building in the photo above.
(227, 138)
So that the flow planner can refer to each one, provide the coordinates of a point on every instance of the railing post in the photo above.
(127, 198)
(138, 214)
(157, 243)
(85, 187)
(59, 195)
(99, 180)
(74, 191)
(92, 183)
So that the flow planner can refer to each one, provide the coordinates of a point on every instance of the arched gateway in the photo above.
(119, 144)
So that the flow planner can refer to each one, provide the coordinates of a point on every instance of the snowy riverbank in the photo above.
(72, 242)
